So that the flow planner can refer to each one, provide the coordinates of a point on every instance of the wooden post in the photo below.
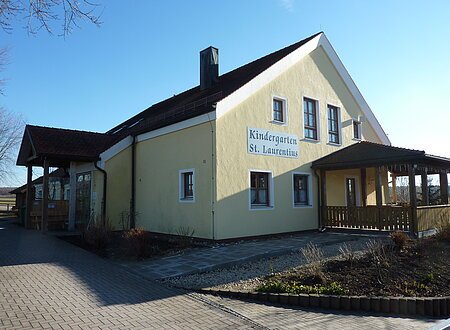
(412, 198)
(364, 186)
(45, 196)
(29, 202)
(379, 195)
(425, 197)
(443, 182)
(323, 199)
(394, 189)
(72, 197)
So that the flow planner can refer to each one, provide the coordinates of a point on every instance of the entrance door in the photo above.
(350, 190)
(83, 203)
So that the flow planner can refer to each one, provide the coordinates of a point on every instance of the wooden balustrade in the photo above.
(369, 217)
(433, 217)
(58, 214)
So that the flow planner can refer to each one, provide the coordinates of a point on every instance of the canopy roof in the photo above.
(61, 146)
(369, 154)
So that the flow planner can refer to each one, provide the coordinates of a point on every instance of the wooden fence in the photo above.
(433, 217)
(58, 214)
(369, 217)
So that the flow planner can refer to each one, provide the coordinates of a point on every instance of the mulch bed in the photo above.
(117, 248)
(422, 268)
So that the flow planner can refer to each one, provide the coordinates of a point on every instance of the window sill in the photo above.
(186, 200)
(280, 123)
(310, 140)
(334, 144)
(356, 139)
(260, 208)
(300, 206)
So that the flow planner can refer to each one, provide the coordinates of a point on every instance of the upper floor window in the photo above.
(279, 110)
(333, 125)
(187, 188)
(310, 118)
(356, 129)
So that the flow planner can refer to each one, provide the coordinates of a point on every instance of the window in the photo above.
(187, 185)
(259, 189)
(301, 189)
(333, 125)
(279, 110)
(356, 129)
(310, 118)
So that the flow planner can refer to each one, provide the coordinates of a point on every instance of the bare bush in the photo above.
(400, 239)
(137, 242)
(379, 252)
(347, 253)
(185, 235)
(98, 234)
(315, 258)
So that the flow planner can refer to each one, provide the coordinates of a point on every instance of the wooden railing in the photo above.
(58, 214)
(432, 217)
(369, 217)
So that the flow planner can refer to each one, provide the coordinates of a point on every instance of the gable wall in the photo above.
(315, 77)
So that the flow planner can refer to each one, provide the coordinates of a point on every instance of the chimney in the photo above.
(209, 67)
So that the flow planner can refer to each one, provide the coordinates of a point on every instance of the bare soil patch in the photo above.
(419, 268)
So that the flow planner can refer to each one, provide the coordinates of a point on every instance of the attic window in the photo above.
(357, 129)
(279, 110)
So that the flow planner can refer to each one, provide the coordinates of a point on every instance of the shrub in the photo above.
(379, 253)
(137, 242)
(347, 253)
(98, 234)
(314, 257)
(333, 288)
(443, 229)
(400, 239)
(185, 236)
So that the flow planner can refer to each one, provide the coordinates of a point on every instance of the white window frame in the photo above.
(357, 189)
(284, 102)
(306, 139)
(339, 122)
(181, 197)
(359, 122)
(271, 205)
(310, 191)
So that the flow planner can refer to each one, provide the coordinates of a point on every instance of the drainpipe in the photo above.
(133, 184)
(213, 182)
(319, 208)
(105, 180)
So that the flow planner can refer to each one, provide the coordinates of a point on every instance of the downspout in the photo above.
(319, 206)
(213, 182)
(133, 184)
(105, 180)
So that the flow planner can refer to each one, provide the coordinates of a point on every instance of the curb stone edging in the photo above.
(427, 306)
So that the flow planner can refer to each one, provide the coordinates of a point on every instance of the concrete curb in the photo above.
(430, 306)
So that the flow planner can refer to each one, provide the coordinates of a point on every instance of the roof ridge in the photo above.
(68, 129)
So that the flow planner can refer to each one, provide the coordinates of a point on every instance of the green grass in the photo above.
(333, 288)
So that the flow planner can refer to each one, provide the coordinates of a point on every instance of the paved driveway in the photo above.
(47, 283)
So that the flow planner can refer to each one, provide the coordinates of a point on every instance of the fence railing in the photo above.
(432, 217)
(58, 214)
(369, 217)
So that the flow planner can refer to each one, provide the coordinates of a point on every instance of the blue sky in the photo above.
(145, 51)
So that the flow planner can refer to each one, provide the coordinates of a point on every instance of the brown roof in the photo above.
(368, 154)
(62, 144)
(71, 145)
(196, 101)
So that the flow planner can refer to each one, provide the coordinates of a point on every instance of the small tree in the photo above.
(11, 129)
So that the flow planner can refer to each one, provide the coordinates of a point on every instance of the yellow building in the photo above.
(242, 154)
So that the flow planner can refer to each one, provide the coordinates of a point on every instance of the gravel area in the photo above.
(249, 276)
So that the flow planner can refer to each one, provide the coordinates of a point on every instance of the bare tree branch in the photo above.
(45, 14)
(11, 129)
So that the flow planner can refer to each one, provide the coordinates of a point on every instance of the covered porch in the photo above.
(63, 198)
(374, 187)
